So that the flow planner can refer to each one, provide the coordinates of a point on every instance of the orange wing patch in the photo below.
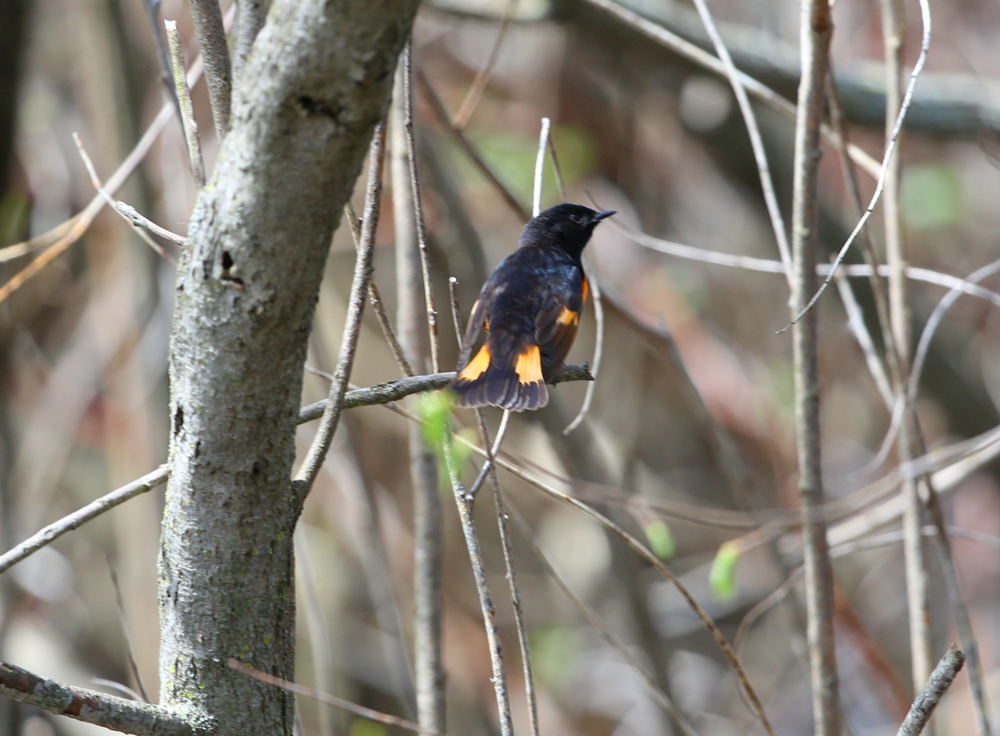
(478, 365)
(586, 290)
(529, 366)
(568, 317)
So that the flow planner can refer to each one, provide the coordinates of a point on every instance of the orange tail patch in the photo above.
(512, 380)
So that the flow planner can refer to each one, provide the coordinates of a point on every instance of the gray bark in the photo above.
(308, 100)
(427, 528)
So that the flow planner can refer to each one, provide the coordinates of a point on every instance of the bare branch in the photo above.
(655, 691)
(96, 182)
(184, 100)
(89, 706)
(61, 237)
(751, 263)
(472, 97)
(756, 142)
(815, 30)
(360, 710)
(442, 115)
(464, 502)
(386, 393)
(940, 680)
(856, 321)
(428, 528)
(309, 469)
(418, 208)
(381, 394)
(208, 26)
(136, 219)
(375, 297)
(92, 510)
(693, 53)
(897, 128)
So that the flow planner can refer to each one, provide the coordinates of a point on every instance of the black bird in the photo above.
(530, 308)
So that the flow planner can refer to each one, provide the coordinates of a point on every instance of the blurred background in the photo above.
(689, 442)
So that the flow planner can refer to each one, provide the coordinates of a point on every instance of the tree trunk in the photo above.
(309, 97)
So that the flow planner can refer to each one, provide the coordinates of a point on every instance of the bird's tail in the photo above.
(510, 378)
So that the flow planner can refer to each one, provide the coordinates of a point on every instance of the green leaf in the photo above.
(661, 541)
(364, 727)
(434, 409)
(722, 578)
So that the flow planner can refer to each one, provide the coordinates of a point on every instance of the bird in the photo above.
(530, 309)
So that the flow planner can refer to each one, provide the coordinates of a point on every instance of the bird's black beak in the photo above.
(601, 215)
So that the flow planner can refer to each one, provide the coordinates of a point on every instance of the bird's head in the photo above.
(565, 226)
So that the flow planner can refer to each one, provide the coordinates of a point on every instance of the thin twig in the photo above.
(475, 93)
(437, 107)
(112, 685)
(131, 214)
(211, 32)
(856, 321)
(96, 182)
(764, 265)
(925, 14)
(914, 553)
(704, 59)
(60, 238)
(120, 607)
(309, 469)
(963, 620)
(464, 501)
(474, 488)
(508, 551)
(815, 30)
(163, 54)
(92, 510)
(879, 292)
(184, 99)
(934, 321)
(655, 691)
(372, 715)
(375, 297)
(428, 525)
(418, 208)
(756, 142)
(940, 680)
(664, 571)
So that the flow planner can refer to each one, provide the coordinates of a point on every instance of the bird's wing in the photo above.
(558, 319)
(477, 320)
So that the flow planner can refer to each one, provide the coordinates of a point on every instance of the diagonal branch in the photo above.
(89, 706)
(363, 268)
(940, 680)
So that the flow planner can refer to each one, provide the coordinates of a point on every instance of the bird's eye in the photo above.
(577, 219)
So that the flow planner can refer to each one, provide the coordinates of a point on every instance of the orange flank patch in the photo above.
(477, 366)
(586, 290)
(568, 317)
(529, 366)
